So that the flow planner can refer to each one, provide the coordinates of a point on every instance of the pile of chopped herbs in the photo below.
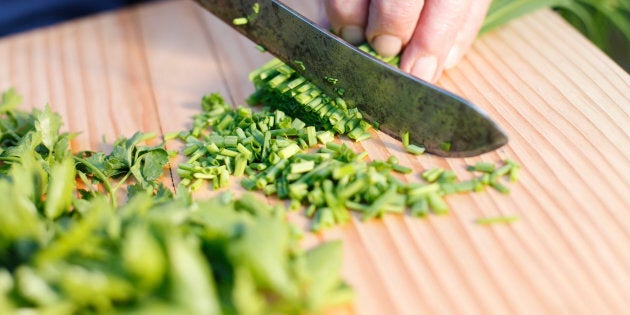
(297, 157)
(282, 88)
(68, 247)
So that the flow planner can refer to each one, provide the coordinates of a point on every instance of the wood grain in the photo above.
(563, 103)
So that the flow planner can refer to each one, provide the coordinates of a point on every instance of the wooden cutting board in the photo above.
(563, 103)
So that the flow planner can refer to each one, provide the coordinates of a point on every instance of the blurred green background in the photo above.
(605, 22)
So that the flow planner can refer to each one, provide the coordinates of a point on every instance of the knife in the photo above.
(446, 124)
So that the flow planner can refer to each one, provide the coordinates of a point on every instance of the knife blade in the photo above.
(446, 124)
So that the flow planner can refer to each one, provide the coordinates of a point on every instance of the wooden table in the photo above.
(563, 103)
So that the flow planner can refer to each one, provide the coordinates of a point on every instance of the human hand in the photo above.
(432, 35)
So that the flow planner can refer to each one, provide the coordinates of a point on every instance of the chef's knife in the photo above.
(444, 123)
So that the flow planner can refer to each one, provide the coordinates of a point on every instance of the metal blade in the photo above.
(444, 123)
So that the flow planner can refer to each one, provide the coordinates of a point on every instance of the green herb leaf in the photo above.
(60, 189)
(47, 123)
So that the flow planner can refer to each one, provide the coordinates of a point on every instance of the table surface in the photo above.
(563, 103)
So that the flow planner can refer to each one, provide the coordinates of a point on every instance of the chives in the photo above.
(297, 158)
(420, 208)
(500, 187)
(325, 137)
(302, 167)
(402, 169)
(239, 165)
(432, 175)
(445, 146)
(239, 21)
(497, 220)
(243, 150)
(423, 189)
(414, 149)
(289, 151)
(405, 139)
(437, 204)
(484, 167)
(230, 141)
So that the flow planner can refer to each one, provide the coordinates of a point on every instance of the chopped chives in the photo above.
(228, 152)
(466, 186)
(297, 124)
(302, 167)
(249, 183)
(448, 177)
(277, 152)
(405, 139)
(247, 154)
(331, 80)
(500, 187)
(414, 149)
(432, 175)
(514, 171)
(437, 204)
(230, 141)
(212, 148)
(289, 151)
(239, 165)
(325, 137)
(484, 167)
(171, 135)
(497, 220)
(196, 184)
(420, 208)
(203, 176)
(445, 146)
(300, 64)
(190, 150)
(503, 170)
(448, 188)
(239, 21)
(422, 189)
(224, 176)
(402, 169)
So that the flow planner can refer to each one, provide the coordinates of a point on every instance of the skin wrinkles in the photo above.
(430, 35)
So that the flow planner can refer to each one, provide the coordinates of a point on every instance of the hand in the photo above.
(431, 34)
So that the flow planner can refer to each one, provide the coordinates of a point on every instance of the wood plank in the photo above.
(89, 71)
(563, 103)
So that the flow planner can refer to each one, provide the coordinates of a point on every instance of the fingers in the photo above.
(434, 37)
(348, 18)
(467, 32)
(391, 24)
(432, 34)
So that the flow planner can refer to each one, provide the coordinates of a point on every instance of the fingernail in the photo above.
(425, 68)
(387, 45)
(352, 34)
(452, 58)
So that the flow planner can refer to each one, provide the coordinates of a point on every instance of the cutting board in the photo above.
(564, 105)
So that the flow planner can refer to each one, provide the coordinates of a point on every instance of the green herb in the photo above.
(405, 139)
(497, 220)
(484, 167)
(300, 64)
(445, 146)
(331, 80)
(66, 247)
(414, 149)
(437, 204)
(283, 159)
(240, 21)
